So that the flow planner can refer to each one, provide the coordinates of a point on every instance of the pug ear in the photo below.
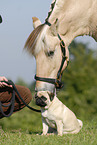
(54, 28)
(51, 96)
(36, 22)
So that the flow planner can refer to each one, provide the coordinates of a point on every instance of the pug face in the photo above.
(44, 98)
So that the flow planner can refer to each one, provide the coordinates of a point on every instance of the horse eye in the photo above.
(50, 53)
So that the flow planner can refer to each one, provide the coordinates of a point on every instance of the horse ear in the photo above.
(51, 96)
(36, 22)
(54, 27)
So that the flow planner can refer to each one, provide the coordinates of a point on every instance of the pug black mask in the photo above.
(40, 101)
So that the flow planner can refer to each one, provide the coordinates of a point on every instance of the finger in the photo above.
(3, 84)
(3, 79)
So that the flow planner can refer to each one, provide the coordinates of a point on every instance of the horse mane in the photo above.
(51, 9)
(32, 39)
(55, 8)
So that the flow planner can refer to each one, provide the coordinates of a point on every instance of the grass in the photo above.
(87, 136)
(22, 127)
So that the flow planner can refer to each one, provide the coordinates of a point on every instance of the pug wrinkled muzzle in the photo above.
(40, 101)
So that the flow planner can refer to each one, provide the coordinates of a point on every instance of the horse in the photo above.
(66, 20)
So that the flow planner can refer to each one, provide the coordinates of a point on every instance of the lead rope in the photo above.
(10, 105)
(12, 102)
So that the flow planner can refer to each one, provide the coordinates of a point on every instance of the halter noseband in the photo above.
(57, 82)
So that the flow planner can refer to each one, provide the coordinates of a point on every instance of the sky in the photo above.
(14, 31)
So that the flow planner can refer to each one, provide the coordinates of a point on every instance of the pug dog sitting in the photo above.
(56, 115)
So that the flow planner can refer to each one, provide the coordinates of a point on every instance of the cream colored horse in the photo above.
(75, 18)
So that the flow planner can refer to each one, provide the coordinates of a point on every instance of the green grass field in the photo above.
(22, 127)
(87, 136)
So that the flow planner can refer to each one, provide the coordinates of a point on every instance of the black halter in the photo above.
(57, 82)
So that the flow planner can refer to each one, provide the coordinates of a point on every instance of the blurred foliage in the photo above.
(25, 120)
(80, 81)
(21, 82)
(79, 92)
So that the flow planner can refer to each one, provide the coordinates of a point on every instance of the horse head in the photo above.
(44, 44)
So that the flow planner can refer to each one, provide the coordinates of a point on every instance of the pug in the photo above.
(55, 115)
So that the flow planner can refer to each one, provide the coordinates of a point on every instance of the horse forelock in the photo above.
(32, 39)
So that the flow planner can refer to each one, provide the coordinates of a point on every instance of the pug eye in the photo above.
(50, 53)
(44, 98)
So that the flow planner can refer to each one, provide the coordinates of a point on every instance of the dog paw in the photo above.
(38, 133)
(43, 134)
(50, 134)
(59, 134)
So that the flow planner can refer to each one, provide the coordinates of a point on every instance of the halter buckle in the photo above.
(59, 84)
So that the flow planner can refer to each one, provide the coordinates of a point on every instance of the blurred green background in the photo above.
(79, 92)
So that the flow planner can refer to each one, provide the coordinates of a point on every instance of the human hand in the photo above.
(2, 84)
